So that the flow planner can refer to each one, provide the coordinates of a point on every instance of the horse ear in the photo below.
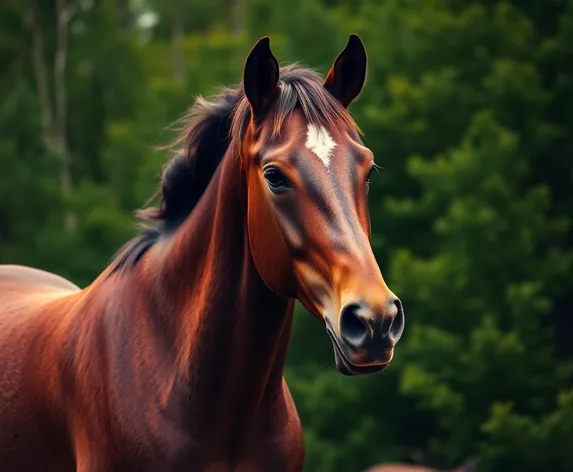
(261, 77)
(348, 73)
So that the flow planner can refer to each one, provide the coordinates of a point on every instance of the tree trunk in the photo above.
(54, 116)
(177, 35)
(39, 65)
(123, 14)
(64, 13)
(238, 17)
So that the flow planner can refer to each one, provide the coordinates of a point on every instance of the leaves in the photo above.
(467, 108)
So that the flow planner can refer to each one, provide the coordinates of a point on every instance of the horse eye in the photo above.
(276, 179)
(369, 175)
(368, 180)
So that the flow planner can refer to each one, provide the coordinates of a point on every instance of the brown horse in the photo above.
(470, 465)
(172, 359)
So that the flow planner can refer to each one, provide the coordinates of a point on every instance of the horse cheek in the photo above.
(268, 248)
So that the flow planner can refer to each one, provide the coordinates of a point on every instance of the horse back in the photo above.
(20, 278)
(26, 295)
(29, 310)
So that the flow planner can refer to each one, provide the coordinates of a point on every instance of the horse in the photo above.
(172, 358)
(470, 465)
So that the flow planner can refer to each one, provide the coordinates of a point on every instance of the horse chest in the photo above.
(279, 454)
(272, 440)
(278, 450)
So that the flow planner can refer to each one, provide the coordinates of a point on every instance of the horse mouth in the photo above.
(345, 367)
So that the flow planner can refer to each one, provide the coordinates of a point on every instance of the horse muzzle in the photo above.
(366, 337)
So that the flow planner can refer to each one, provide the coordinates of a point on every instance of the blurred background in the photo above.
(469, 110)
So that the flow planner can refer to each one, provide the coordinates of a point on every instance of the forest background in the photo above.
(468, 108)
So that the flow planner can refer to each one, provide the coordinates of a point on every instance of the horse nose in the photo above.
(362, 327)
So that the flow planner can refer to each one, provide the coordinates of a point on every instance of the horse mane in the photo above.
(208, 130)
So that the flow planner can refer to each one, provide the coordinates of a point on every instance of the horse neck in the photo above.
(230, 332)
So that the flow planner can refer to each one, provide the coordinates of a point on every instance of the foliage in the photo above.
(468, 111)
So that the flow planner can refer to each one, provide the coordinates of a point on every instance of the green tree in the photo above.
(468, 111)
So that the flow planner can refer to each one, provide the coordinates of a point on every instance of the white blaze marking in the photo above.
(319, 141)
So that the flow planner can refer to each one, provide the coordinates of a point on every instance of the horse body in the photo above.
(32, 303)
(470, 465)
(172, 359)
(121, 394)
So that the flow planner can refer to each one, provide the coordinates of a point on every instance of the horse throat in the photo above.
(230, 331)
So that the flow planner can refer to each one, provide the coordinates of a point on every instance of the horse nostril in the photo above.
(397, 325)
(354, 328)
